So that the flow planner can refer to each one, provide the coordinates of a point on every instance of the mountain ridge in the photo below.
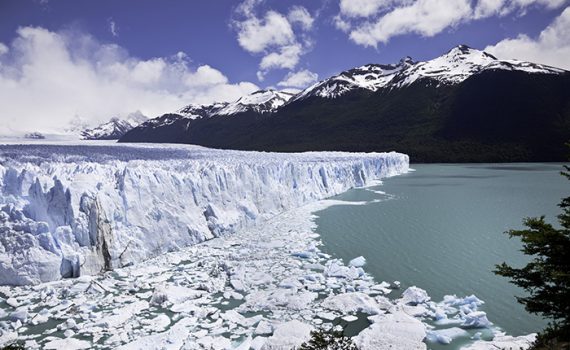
(114, 129)
(378, 107)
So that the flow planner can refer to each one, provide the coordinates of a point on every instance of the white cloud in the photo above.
(370, 22)
(280, 40)
(257, 35)
(300, 15)
(300, 79)
(3, 49)
(205, 76)
(364, 8)
(148, 72)
(260, 75)
(552, 47)
(488, 8)
(423, 17)
(48, 79)
(287, 57)
(341, 23)
(247, 7)
(113, 28)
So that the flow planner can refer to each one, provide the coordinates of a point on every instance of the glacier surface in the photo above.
(72, 210)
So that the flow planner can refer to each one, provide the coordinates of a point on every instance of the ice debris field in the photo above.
(126, 221)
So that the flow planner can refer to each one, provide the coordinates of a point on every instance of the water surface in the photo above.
(442, 227)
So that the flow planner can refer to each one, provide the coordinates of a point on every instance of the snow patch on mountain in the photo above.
(194, 111)
(262, 101)
(370, 77)
(67, 211)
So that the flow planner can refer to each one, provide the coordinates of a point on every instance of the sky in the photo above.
(74, 63)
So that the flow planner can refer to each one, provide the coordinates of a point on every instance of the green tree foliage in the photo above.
(328, 340)
(546, 277)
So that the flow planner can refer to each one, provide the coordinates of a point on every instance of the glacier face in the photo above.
(70, 210)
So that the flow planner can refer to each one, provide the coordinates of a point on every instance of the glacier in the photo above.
(69, 210)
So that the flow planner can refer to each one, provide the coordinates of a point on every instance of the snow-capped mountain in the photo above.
(369, 77)
(165, 120)
(194, 111)
(114, 129)
(462, 62)
(111, 130)
(465, 105)
(262, 101)
(454, 67)
(175, 126)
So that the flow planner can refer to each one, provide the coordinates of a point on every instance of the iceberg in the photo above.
(414, 296)
(357, 262)
(73, 210)
(396, 330)
(502, 341)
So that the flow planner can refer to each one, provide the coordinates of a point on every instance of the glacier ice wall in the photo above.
(66, 211)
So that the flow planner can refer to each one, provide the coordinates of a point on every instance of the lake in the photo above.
(441, 228)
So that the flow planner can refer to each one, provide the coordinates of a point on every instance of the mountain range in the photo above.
(464, 106)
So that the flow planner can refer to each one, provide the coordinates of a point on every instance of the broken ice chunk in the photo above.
(414, 295)
(476, 319)
(357, 262)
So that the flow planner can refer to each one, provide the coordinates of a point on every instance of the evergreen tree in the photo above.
(546, 277)
(328, 340)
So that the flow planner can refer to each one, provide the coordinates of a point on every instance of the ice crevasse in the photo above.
(67, 211)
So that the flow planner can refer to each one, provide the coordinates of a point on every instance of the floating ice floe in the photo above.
(502, 341)
(357, 262)
(396, 330)
(446, 335)
(414, 296)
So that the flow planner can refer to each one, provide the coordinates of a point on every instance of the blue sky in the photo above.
(177, 52)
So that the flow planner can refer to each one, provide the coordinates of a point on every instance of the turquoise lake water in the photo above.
(441, 228)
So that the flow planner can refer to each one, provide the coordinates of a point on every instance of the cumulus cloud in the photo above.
(364, 8)
(417, 18)
(300, 15)
(257, 35)
(488, 8)
(280, 40)
(341, 24)
(551, 47)
(50, 79)
(370, 22)
(300, 79)
(287, 57)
